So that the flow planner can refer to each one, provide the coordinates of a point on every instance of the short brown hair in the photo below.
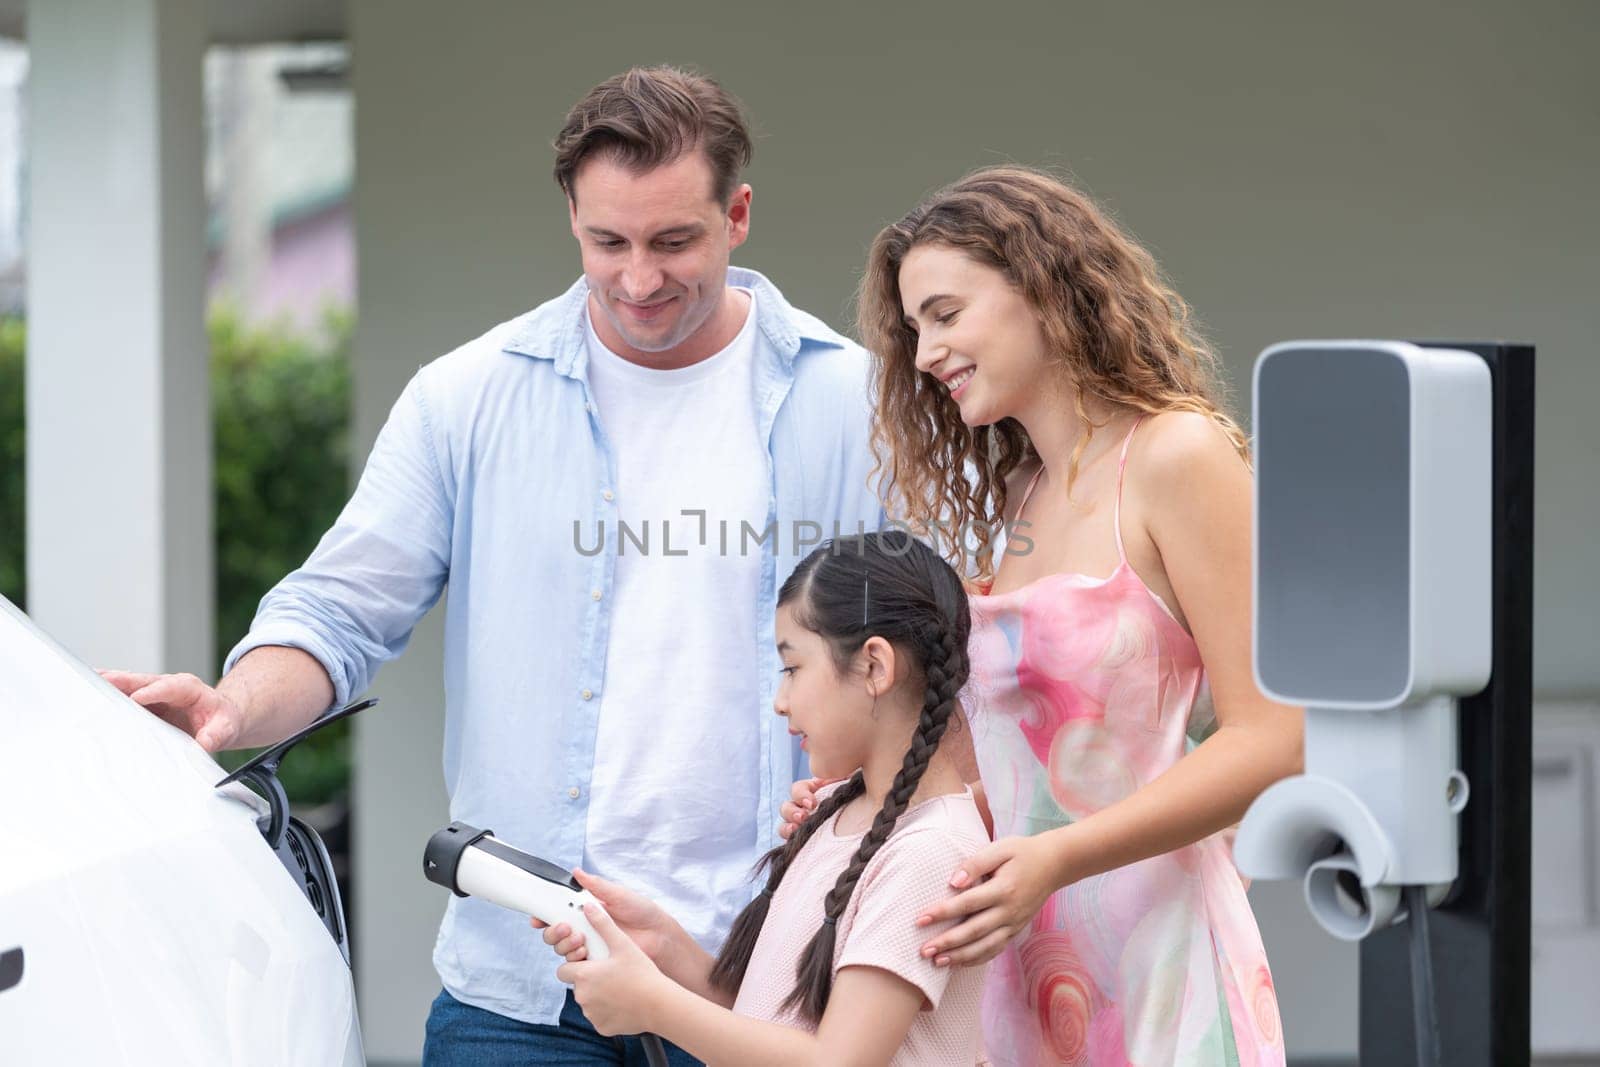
(648, 116)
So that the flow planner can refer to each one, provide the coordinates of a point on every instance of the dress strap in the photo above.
(1026, 493)
(1122, 467)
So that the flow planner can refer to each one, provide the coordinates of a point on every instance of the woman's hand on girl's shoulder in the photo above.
(801, 803)
(1002, 887)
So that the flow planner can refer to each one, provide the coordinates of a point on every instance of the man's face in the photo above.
(655, 247)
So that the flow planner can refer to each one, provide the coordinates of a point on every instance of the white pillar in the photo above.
(118, 401)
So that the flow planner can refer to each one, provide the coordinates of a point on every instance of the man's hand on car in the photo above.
(187, 703)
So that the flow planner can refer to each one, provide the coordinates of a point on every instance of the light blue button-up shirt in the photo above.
(492, 468)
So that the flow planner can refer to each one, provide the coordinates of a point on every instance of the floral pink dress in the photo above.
(1084, 689)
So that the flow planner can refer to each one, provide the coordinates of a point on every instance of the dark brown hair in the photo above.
(649, 116)
(1116, 329)
(890, 585)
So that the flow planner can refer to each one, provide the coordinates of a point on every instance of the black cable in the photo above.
(1424, 1009)
(654, 1051)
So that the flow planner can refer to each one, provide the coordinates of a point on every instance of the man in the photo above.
(613, 485)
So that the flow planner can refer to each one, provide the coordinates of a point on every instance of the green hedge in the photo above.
(280, 407)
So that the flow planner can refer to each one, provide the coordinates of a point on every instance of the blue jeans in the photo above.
(460, 1035)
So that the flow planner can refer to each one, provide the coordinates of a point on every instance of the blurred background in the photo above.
(196, 196)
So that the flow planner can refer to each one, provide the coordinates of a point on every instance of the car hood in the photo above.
(156, 924)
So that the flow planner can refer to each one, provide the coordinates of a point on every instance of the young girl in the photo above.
(823, 967)
(1035, 373)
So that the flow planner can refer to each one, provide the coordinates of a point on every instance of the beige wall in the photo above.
(1300, 171)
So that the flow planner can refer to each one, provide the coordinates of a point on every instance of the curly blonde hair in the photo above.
(1114, 326)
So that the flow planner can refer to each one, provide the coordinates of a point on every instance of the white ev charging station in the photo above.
(1393, 571)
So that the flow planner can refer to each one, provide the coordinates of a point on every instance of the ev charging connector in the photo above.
(474, 863)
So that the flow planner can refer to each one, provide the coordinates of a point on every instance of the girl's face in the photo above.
(831, 711)
(976, 335)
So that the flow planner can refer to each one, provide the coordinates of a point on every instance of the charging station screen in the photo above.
(1333, 495)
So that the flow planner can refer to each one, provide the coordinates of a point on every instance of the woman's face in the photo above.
(976, 335)
(831, 711)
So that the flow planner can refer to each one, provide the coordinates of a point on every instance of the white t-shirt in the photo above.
(675, 787)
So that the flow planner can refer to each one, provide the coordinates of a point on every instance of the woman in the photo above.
(1036, 375)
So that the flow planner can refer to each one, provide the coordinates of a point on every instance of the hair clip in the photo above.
(866, 586)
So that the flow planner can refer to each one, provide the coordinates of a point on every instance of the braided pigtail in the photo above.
(945, 672)
(896, 588)
(734, 959)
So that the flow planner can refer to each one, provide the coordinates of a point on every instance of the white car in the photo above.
(144, 919)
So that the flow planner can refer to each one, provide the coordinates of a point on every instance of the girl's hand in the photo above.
(619, 994)
(1021, 874)
(641, 919)
(801, 803)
